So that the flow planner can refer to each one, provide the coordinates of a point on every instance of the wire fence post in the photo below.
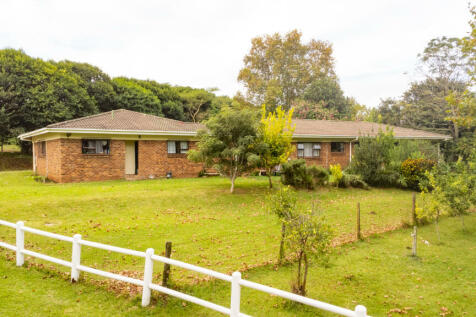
(235, 294)
(359, 235)
(414, 245)
(414, 216)
(360, 311)
(75, 258)
(20, 243)
(148, 269)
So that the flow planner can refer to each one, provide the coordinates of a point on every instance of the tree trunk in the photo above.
(269, 178)
(2, 146)
(304, 278)
(281, 245)
(298, 286)
(232, 189)
(233, 178)
(436, 225)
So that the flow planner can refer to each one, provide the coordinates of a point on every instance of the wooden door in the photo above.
(130, 157)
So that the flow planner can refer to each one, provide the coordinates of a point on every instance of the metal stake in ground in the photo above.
(166, 274)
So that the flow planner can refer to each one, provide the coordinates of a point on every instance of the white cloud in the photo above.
(202, 43)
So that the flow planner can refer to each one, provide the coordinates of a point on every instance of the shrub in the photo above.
(413, 172)
(320, 175)
(297, 174)
(371, 160)
(351, 180)
(336, 174)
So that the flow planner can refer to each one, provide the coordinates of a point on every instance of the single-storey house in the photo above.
(132, 145)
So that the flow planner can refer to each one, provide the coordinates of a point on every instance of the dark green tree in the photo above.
(229, 143)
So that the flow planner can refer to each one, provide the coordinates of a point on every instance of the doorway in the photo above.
(132, 157)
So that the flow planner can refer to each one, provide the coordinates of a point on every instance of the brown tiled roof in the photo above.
(127, 120)
(334, 128)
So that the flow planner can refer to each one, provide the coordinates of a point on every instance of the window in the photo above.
(177, 147)
(337, 147)
(42, 148)
(95, 146)
(309, 149)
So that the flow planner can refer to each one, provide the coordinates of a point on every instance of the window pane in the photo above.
(300, 153)
(337, 147)
(307, 149)
(316, 152)
(171, 147)
(300, 146)
(183, 146)
(99, 147)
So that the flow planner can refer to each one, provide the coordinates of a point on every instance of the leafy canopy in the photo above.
(278, 68)
(275, 136)
(229, 143)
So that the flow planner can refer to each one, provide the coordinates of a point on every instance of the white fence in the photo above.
(235, 279)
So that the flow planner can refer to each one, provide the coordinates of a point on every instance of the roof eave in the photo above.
(29, 135)
(322, 136)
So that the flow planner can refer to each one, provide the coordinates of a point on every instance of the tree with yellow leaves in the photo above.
(275, 135)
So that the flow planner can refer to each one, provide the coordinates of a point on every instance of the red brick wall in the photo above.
(49, 165)
(326, 157)
(39, 161)
(154, 161)
(79, 167)
(66, 163)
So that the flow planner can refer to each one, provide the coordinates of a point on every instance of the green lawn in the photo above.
(212, 228)
(378, 272)
(207, 225)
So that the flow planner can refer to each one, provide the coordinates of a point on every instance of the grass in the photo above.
(378, 272)
(11, 159)
(214, 229)
(207, 225)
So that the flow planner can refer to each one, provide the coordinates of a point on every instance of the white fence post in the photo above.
(148, 269)
(20, 241)
(75, 258)
(360, 311)
(235, 294)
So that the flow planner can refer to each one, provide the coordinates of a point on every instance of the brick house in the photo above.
(132, 145)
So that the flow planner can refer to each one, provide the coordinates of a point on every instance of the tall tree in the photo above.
(228, 144)
(97, 83)
(424, 106)
(35, 93)
(197, 101)
(131, 95)
(326, 91)
(278, 68)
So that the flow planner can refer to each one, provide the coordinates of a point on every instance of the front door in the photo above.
(131, 158)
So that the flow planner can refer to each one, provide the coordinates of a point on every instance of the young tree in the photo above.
(455, 186)
(431, 196)
(229, 143)
(275, 136)
(283, 204)
(309, 237)
(278, 68)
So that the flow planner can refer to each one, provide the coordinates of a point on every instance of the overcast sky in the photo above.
(202, 43)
